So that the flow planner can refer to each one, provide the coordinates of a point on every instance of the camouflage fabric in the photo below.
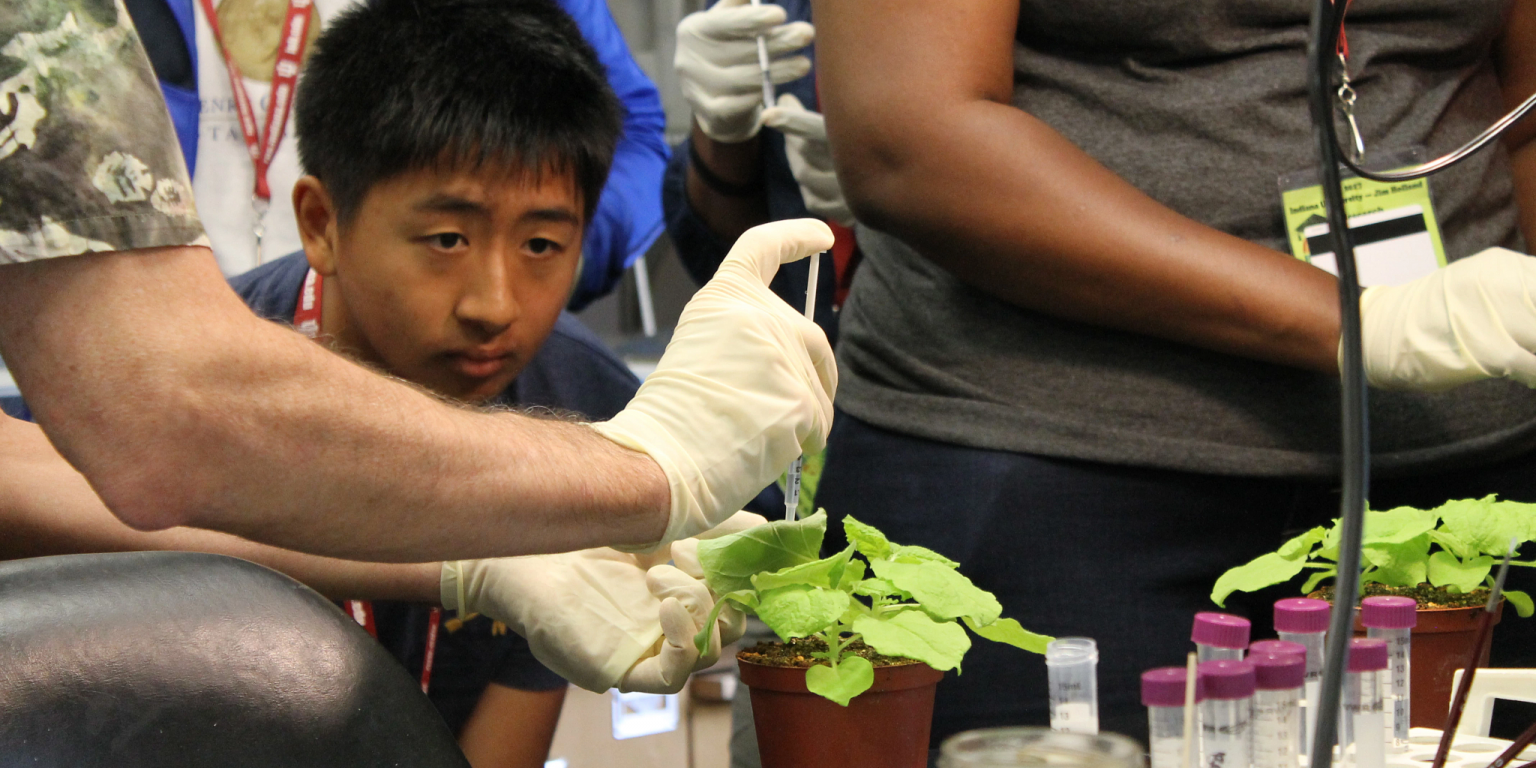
(88, 158)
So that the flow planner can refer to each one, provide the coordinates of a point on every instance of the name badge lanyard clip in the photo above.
(1347, 97)
(262, 145)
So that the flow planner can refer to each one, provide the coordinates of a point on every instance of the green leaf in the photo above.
(853, 676)
(729, 562)
(811, 465)
(940, 590)
(745, 597)
(914, 635)
(1302, 545)
(856, 610)
(1011, 632)
(798, 610)
(1486, 524)
(1317, 578)
(1330, 543)
(1446, 570)
(1263, 571)
(877, 587)
(908, 553)
(853, 575)
(870, 542)
(1521, 601)
(1397, 526)
(826, 573)
(1452, 543)
(1399, 565)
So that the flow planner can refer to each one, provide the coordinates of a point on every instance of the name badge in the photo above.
(1393, 224)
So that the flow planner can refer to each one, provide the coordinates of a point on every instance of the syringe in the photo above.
(768, 97)
(792, 480)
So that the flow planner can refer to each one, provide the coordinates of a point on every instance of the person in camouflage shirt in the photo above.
(88, 160)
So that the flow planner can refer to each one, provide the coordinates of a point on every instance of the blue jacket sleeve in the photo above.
(628, 215)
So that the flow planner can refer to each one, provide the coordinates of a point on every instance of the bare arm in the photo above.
(739, 163)
(183, 408)
(928, 147)
(511, 728)
(47, 508)
(1516, 56)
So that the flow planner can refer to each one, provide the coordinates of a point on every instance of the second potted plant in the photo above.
(866, 640)
(1443, 558)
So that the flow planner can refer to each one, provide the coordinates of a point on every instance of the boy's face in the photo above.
(451, 279)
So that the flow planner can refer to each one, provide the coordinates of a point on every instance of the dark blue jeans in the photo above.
(1124, 555)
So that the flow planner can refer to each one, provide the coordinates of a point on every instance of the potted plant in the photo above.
(865, 640)
(1443, 558)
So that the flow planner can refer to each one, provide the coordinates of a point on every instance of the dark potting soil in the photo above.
(1428, 596)
(797, 653)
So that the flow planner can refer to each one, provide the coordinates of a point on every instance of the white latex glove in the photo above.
(599, 618)
(810, 158)
(1474, 319)
(745, 386)
(718, 70)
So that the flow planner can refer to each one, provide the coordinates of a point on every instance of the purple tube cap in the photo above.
(1278, 671)
(1227, 679)
(1389, 612)
(1221, 630)
(1163, 687)
(1281, 647)
(1367, 654)
(1301, 614)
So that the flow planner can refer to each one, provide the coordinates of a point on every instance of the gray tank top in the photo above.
(1202, 105)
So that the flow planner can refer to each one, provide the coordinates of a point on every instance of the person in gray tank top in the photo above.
(1080, 357)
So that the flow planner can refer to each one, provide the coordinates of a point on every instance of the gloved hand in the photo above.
(1475, 319)
(599, 618)
(810, 158)
(718, 70)
(745, 386)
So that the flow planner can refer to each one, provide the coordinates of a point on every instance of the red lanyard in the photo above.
(306, 318)
(285, 75)
(262, 147)
(362, 612)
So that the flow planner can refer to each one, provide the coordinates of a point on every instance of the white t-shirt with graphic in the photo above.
(226, 177)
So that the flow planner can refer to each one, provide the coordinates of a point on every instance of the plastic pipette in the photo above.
(762, 64)
(792, 480)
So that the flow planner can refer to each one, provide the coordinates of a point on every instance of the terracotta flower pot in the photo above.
(1441, 641)
(887, 725)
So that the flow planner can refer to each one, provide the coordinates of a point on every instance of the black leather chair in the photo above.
(160, 659)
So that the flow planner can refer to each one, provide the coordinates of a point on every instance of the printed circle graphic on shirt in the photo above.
(252, 29)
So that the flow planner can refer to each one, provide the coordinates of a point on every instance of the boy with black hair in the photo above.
(456, 149)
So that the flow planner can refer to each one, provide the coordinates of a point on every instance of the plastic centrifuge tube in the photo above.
(1392, 619)
(1220, 636)
(1071, 667)
(1304, 620)
(1362, 724)
(1283, 648)
(1278, 678)
(792, 476)
(1162, 692)
(1226, 715)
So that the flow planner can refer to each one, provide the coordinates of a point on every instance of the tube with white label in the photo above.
(1226, 715)
(1362, 725)
(1071, 668)
(1305, 621)
(1392, 619)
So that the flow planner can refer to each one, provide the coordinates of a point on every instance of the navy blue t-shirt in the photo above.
(573, 371)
